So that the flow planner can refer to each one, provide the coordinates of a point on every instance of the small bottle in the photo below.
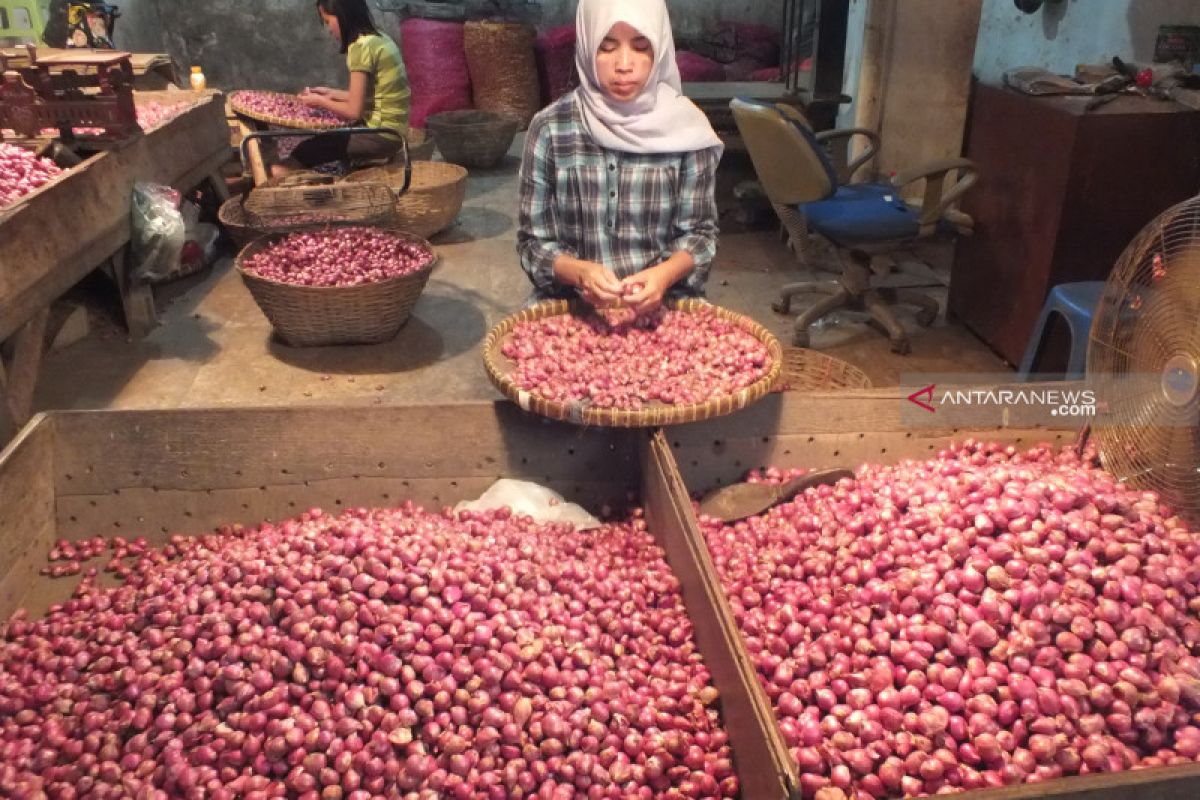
(199, 82)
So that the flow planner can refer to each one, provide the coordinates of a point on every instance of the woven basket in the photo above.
(232, 216)
(503, 68)
(499, 368)
(434, 197)
(807, 370)
(278, 208)
(420, 145)
(472, 138)
(315, 316)
(281, 122)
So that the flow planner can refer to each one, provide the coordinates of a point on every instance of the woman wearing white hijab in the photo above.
(617, 180)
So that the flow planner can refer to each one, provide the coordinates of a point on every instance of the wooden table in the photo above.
(54, 236)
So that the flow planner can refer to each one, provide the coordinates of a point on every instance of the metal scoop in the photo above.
(741, 500)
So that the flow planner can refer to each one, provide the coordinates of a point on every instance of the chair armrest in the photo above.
(840, 155)
(938, 198)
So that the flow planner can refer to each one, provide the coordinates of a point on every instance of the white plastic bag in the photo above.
(158, 232)
(533, 500)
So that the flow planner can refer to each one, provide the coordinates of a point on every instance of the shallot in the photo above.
(339, 256)
(285, 107)
(985, 617)
(21, 171)
(609, 360)
(376, 653)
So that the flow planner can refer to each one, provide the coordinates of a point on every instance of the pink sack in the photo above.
(743, 69)
(775, 74)
(753, 40)
(555, 51)
(694, 67)
(436, 62)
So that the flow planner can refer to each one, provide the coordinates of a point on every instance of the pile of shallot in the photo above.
(378, 653)
(151, 115)
(612, 359)
(21, 171)
(986, 617)
(340, 256)
(284, 107)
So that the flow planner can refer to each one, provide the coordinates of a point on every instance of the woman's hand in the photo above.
(595, 282)
(320, 91)
(644, 291)
(312, 99)
(598, 285)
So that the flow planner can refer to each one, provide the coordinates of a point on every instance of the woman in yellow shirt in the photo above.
(378, 96)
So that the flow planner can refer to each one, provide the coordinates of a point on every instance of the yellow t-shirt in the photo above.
(387, 91)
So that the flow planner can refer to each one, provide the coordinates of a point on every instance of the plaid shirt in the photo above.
(627, 211)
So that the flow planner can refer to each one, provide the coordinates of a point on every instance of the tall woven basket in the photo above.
(503, 68)
(435, 194)
(472, 138)
(315, 316)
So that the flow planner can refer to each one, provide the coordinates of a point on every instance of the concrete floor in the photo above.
(215, 348)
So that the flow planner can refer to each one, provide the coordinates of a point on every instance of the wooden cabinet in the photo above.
(1062, 191)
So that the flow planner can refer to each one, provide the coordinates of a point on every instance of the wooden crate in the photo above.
(155, 473)
(847, 429)
(77, 474)
(55, 235)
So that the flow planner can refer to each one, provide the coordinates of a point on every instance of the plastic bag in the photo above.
(533, 500)
(158, 232)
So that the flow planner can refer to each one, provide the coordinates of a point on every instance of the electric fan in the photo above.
(1143, 361)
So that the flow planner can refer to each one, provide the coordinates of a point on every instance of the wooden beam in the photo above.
(19, 378)
(257, 167)
(137, 298)
(765, 769)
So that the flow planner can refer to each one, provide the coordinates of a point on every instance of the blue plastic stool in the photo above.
(1076, 303)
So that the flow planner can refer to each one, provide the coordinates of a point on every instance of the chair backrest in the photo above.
(791, 165)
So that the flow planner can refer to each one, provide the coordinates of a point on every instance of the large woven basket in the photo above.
(282, 122)
(472, 138)
(315, 316)
(807, 370)
(503, 68)
(499, 369)
(435, 194)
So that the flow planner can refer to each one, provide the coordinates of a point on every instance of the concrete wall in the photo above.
(279, 44)
(688, 17)
(1069, 32)
(139, 28)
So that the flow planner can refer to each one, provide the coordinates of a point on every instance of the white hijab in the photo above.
(660, 119)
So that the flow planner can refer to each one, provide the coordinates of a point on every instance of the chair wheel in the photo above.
(782, 306)
(901, 346)
(926, 318)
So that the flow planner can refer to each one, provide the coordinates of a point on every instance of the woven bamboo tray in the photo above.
(472, 138)
(316, 316)
(499, 368)
(435, 194)
(807, 370)
(282, 122)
